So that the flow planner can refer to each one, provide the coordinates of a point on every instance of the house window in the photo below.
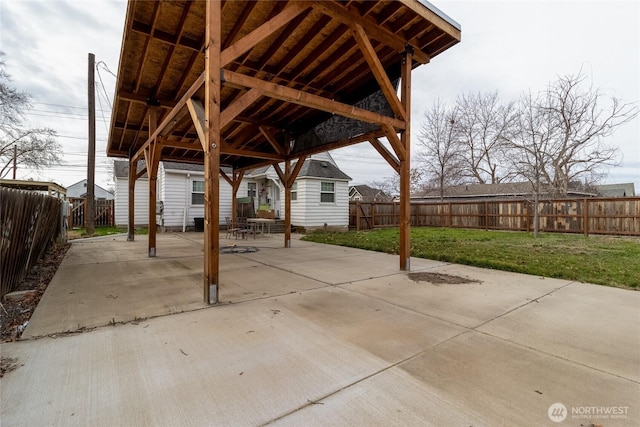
(327, 192)
(294, 191)
(197, 192)
(252, 189)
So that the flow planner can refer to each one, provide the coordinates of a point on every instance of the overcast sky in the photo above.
(507, 46)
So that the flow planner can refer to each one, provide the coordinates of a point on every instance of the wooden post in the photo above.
(133, 166)
(287, 203)
(212, 89)
(90, 213)
(358, 219)
(152, 158)
(405, 164)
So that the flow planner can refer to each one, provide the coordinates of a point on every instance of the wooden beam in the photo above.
(296, 170)
(226, 177)
(386, 154)
(254, 154)
(213, 43)
(378, 70)
(379, 33)
(395, 142)
(305, 99)
(171, 116)
(270, 137)
(262, 32)
(280, 174)
(139, 99)
(182, 145)
(196, 109)
(340, 143)
(238, 106)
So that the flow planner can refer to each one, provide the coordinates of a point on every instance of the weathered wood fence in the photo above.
(614, 216)
(105, 212)
(29, 222)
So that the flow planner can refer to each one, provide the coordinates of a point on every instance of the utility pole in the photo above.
(90, 204)
(15, 160)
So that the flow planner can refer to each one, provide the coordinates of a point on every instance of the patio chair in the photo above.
(244, 228)
(231, 229)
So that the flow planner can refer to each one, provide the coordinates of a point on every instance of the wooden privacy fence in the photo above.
(29, 223)
(614, 216)
(105, 212)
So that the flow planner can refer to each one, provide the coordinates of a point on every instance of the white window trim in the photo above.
(294, 190)
(328, 192)
(196, 192)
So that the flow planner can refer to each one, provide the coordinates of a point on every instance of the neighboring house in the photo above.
(364, 193)
(517, 190)
(180, 195)
(616, 190)
(79, 191)
(319, 195)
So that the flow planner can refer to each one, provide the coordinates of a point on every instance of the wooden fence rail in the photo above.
(29, 222)
(614, 216)
(105, 212)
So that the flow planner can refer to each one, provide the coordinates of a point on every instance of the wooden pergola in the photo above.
(243, 84)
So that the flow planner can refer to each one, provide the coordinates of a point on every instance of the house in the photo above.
(180, 195)
(517, 190)
(616, 190)
(79, 191)
(364, 193)
(318, 198)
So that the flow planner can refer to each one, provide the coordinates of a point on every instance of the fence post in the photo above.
(585, 217)
(486, 215)
(358, 216)
(373, 215)
(449, 219)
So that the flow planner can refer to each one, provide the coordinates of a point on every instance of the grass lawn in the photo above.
(603, 260)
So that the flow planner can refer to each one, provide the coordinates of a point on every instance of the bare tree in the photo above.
(530, 146)
(582, 118)
(34, 148)
(391, 184)
(441, 153)
(484, 125)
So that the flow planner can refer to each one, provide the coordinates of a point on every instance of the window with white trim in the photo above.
(327, 192)
(252, 189)
(197, 192)
(294, 191)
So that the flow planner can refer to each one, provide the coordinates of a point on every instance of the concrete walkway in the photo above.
(316, 335)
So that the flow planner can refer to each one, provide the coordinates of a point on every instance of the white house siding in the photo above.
(141, 205)
(309, 212)
(177, 199)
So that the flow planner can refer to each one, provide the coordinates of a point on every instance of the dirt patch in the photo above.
(440, 278)
(8, 364)
(15, 315)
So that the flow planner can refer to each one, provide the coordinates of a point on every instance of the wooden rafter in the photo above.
(308, 100)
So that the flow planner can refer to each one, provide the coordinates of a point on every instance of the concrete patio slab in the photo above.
(288, 347)
(580, 322)
(514, 385)
(391, 398)
(469, 304)
(382, 329)
(235, 365)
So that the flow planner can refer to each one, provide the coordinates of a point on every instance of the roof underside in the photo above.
(313, 50)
